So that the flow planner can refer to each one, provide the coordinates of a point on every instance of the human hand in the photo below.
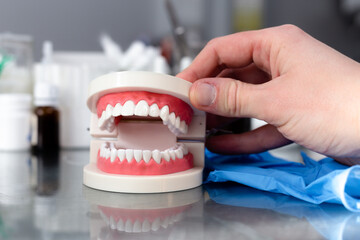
(306, 91)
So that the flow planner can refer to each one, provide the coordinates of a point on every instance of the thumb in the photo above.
(228, 97)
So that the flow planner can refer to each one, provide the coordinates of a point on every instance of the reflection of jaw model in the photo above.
(126, 214)
(149, 139)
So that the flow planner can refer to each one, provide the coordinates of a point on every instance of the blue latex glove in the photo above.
(314, 181)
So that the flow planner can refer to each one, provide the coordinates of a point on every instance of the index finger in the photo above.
(231, 51)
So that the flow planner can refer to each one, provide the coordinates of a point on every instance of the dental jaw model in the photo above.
(146, 136)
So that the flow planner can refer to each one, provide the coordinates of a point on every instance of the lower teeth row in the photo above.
(109, 151)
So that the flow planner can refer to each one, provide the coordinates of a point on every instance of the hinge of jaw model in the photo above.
(146, 136)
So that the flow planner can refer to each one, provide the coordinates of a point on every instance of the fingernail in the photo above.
(205, 94)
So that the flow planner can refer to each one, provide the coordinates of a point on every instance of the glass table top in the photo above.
(43, 198)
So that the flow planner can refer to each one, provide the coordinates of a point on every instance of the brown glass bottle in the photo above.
(46, 129)
(45, 124)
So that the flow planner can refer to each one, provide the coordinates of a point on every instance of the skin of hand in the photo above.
(307, 92)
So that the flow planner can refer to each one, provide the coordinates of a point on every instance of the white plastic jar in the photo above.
(15, 122)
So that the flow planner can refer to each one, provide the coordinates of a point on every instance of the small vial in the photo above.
(45, 124)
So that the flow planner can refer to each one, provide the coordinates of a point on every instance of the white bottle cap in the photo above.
(15, 101)
(45, 94)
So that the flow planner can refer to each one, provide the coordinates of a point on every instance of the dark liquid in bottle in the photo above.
(46, 129)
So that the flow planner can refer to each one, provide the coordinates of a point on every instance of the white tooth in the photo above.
(104, 218)
(101, 152)
(165, 155)
(105, 146)
(110, 127)
(154, 110)
(121, 154)
(112, 223)
(165, 222)
(173, 129)
(155, 224)
(179, 154)
(117, 110)
(183, 127)
(138, 155)
(120, 225)
(107, 153)
(128, 108)
(113, 154)
(128, 226)
(156, 156)
(145, 226)
(109, 110)
(172, 154)
(164, 113)
(103, 115)
(142, 108)
(177, 122)
(146, 155)
(100, 123)
(173, 218)
(101, 119)
(176, 132)
(129, 154)
(172, 118)
(184, 149)
(137, 226)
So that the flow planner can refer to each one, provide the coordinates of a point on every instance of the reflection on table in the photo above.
(145, 216)
(255, 214)
(42, 199)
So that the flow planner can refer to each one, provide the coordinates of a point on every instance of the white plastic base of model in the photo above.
(143, 200)
(97, 179)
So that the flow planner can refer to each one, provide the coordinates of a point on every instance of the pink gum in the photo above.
(176, 105)
(142, 168)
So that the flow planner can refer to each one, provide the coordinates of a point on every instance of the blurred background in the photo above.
(76, 25)
(69, 43)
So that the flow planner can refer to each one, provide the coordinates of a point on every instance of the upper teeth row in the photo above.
(142, 108)
(111, 152)
(141, 225)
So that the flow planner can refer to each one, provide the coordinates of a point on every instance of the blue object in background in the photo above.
(314, 181)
